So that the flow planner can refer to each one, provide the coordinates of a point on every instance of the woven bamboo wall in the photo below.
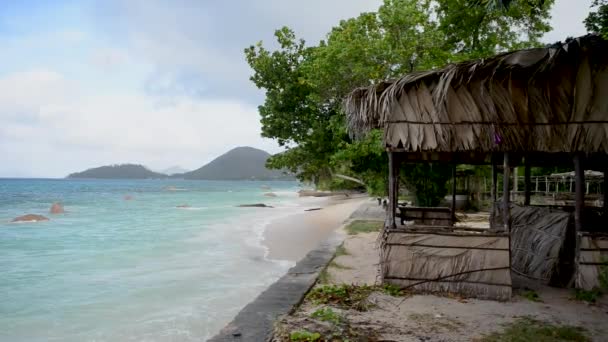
(471, 265)
(593, 255)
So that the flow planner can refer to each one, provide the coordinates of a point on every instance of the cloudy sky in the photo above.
(158, 82)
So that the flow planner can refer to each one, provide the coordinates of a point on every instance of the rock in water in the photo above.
(30, 218)
(183, 206)
(57, 208)
(270, 194)
(128, 197)
(256, 205)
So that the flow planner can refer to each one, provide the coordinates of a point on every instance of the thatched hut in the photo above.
(535, 107)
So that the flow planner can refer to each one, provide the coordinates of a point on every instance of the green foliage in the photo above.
(304, 335)
(341, 250)
(531, 295)
(591, 296)
(528, 329)
(327, 315)
(428, 181)
(361, 226)
(392, 290)
(597, 21)
(345, 296)
(305, 85)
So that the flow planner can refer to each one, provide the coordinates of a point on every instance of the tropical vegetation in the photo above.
(305, 84)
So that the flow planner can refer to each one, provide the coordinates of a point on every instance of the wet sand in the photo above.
(291, 238)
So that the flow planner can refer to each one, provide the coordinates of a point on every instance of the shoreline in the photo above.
(290, 238)
(255, 321)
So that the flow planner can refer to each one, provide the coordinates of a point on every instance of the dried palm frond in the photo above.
(543, 99)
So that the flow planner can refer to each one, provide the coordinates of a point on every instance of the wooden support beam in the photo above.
(506, 195)
(392, 205)
(605, 191)
(454, 193)
(494, 181)
(579, 186)
(527, 182)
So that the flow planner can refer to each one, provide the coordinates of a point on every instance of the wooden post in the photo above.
(392, 207)
(587, 191)
(605, 191)
(515, 184)
(579, 187)
(546, 185)
(494, 182)
(454, 193)
(506, 212)
(536, 189)
(527, 185)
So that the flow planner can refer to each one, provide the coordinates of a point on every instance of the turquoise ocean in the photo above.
(112, 269)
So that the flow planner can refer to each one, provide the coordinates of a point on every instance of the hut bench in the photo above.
(426, 216)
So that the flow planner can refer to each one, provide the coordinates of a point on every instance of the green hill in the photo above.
(122, 171)
(237, 164)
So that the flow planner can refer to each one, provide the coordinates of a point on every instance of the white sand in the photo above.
(436, 318)
(293, 237)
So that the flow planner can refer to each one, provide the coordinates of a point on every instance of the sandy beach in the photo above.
(292, 237)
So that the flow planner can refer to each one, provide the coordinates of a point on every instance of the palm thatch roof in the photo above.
(549, 99)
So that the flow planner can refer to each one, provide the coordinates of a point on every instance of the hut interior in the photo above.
(527, 108)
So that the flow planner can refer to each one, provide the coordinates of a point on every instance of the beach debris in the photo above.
(128, 197)
(313, 209)
(30, 218)
(183, 206)
(255, 205)
(57, 208)
(270, 194)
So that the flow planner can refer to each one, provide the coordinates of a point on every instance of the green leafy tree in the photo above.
(597, 21)
(305, 85)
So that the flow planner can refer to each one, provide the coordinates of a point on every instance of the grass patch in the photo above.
(341, 250)
(324, 277)
(393, 290)
(588, 296)
(361, 226)
(531, 295)
(528, 329)
(304, 335)
(327, 315)
(334, 264)
(345, 296)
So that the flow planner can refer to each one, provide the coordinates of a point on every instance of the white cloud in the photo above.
(63, 125)
(109, 59)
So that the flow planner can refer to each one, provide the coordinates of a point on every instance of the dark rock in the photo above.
(270, 194)
(57, 208)
(30, 218)
(256, 205)
(183, 206)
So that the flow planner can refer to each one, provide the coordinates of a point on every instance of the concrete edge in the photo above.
(255, 322)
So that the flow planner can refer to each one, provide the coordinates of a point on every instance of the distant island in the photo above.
(237, 164)
(119, 171)
(241, 163)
